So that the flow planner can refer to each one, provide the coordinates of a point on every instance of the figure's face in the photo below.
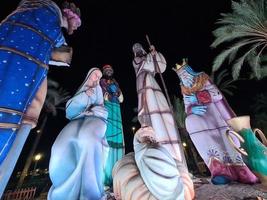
(73, 24)
(108, 72)
(94, 79)
(186, 78)
(138, 50)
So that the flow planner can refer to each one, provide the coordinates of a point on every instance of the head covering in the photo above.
(82, 87)
(71, 12)
(107, 66)
(137, 47)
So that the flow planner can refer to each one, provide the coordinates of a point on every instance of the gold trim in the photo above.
(9, 125)
(227, 164)
(10, 111)
(24, 55)
(240, 138)
(32, 29)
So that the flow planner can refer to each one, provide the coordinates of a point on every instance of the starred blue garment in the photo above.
(27, 38)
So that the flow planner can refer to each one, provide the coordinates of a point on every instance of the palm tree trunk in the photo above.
(31, 154)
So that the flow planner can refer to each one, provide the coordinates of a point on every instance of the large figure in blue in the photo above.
(27, 38)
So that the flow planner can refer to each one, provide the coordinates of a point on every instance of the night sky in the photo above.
(177, 28)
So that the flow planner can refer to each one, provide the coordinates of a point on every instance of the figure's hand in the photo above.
(199, 110)
(88, 113)
(106, 96)
(89, 92)
(191, 98)
(152, 49)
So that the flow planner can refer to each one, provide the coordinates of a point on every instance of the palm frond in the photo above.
(179, 112)
(56, 95)
(226, 91)
(226, 34)
(238, 64)
(225, 82)
(221, 76)
(245, 26)
(52, 84)
(218, 61)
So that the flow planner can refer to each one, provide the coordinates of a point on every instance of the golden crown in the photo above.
(179, 66)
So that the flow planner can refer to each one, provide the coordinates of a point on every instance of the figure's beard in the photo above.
(140, 54)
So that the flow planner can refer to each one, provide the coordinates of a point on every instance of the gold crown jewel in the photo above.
(179, 66)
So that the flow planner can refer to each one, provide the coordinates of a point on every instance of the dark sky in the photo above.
(177, 28)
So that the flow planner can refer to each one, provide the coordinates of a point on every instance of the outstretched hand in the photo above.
(199, 110)
(152, 49)
(191, 98)
(89, 92)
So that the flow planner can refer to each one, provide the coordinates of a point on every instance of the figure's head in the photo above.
(138, 50)
(94, 77)
(185, 73)
(71, 17)
(107, 70)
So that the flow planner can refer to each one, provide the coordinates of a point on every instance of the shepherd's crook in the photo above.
(169, 102)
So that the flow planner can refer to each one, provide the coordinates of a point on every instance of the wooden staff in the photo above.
(169, 102)
(158, 70)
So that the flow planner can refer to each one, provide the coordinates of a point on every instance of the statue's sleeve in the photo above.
(187, 105)
(77, 105)
(120, 95)
(60, 40)
(159, 59)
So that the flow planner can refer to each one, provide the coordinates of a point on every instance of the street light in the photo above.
(36, 158)
(133, 129)
(184, 144)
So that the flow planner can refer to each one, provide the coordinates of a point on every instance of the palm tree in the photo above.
(245, 29)
(224, 82)
(54, 98)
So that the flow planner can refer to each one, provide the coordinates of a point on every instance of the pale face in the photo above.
(73, 24)
(93, 79)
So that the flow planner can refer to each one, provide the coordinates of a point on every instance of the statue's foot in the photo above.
(220, 180)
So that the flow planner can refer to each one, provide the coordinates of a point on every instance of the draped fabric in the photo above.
(114, 132)
(27, 37)
(153, 109)
(79, 152)
(208, 133)
(114, 136)
(161, 164)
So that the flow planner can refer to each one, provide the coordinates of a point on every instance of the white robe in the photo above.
(79, 152)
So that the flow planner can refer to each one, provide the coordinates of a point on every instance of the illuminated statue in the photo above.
(114, 134)
(156, 169)
(207, 112)
(79, 152)
(30, 37)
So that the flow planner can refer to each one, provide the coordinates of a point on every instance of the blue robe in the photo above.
(27, 38)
